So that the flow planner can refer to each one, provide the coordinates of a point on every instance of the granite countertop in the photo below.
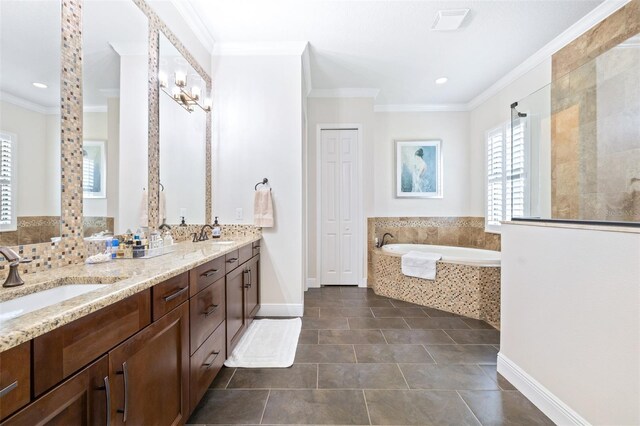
(124, 278)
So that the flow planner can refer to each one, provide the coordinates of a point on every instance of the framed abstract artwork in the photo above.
(419, 169)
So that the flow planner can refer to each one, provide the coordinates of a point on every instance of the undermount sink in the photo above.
(32, 302)
(223, 243)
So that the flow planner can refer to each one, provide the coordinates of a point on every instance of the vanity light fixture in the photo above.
(180, 93)
(441, 80)
(39, 85)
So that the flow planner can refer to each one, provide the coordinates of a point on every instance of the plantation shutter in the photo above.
(507, 167)
(495, 166)
(6, 182)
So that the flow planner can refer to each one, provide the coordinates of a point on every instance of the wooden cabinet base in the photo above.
(80, 400)
(206, 363)
(150, 373)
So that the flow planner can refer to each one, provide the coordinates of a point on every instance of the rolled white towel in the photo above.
(420, 264)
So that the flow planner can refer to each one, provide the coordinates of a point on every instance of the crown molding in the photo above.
(597, 15)
(196, 24)
(421, 108)
(345, 92)
(28, 105)
(306, 70)
(283, 48)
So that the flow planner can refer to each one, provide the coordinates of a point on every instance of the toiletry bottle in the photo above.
(167, 238)
(216, 232)
(114, 247)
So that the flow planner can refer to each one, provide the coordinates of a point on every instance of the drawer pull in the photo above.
(8, 389)
(125, 374)
(209, 311)
(107, 389)
(232, 260)
(175, 294)
(209, 273)
(209, 361)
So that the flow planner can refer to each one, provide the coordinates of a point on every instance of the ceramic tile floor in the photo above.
(365, 359)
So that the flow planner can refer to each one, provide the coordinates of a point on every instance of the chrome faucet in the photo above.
(13, 279)
(382, 242)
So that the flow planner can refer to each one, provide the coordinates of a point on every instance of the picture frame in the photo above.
(94, 169)
(419, 168)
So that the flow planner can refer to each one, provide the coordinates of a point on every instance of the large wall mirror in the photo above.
(184, 103)
(115, 117)
(29, 121)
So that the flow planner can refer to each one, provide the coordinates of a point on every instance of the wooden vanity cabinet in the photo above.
(251, 293)
(235, 307)
(65, 350)
(83, 399)
(149, 373)
(15, 379)
(243, 290)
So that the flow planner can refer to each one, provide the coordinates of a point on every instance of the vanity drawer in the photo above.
(63, 351)
(15, 378)
(170, 294)
(245, 253)
(205, 364)
(207, 310)
(256, 248)
(206, 274)
(232, 261)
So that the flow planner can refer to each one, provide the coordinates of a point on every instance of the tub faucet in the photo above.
(382, 242)
(13, 279)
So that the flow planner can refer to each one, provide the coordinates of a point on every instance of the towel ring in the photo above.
(265, 181)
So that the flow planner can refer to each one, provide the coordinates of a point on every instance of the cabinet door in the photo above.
(80, 400)
(252, 302)
(150, 373)
(15, 378)
(235, 307)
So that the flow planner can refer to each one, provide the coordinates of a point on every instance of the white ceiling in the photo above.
(388, 45)
(30, 49)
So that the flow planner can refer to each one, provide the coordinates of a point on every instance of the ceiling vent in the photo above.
(449, 20)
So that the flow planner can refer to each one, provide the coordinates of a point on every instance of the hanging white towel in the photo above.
(420, 264)
(263, 208)
(144, 209)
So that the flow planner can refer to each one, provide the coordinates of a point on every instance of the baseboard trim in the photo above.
(539, 395)
(280, 310)
(363, 282)
(311, 283)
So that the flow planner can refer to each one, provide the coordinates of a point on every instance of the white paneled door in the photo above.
(339, 192)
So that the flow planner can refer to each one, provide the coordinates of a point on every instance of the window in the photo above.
(8, 175)
(507, 167)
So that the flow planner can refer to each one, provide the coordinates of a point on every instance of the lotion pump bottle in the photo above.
(216, 232)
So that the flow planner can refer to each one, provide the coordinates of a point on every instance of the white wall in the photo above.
(338, 111)
(134, 125)
(453, 129)
(571, 320)
(490, 114)
(257, 130)
(38, 165)
(182, 161)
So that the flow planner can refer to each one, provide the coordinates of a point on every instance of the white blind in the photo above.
(7, 177)
(507, 164)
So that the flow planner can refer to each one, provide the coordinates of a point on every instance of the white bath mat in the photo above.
(267, 344)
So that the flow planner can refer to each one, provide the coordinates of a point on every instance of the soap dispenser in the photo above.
(216, 232)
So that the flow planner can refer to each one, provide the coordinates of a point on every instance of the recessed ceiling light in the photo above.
(449, 20)
(40, 85)
(441, 80)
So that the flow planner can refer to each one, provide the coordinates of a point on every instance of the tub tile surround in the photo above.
(444, 231)
(125, 278)
(471, 291)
